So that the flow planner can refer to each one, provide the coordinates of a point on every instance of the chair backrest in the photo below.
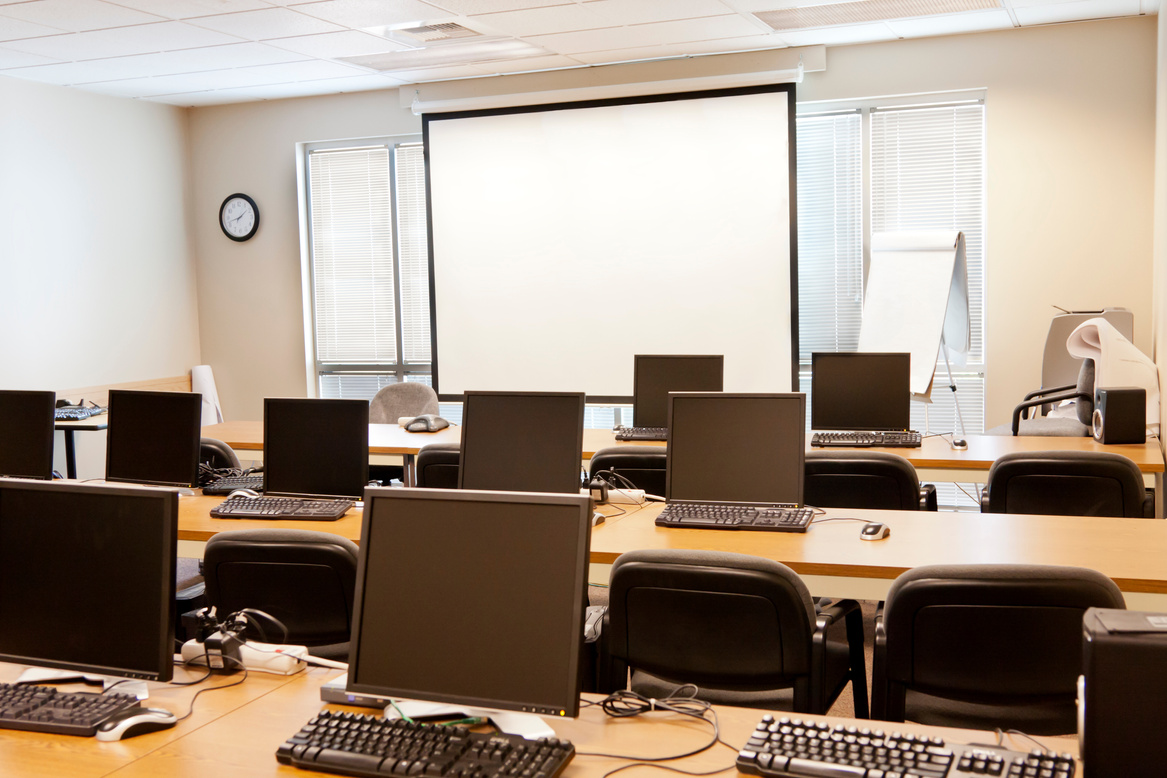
(1067, 483)
(406, 398)
(304, 578)
(437, 466)
(860, 479)
(992, 634)
(710, 618)
(642, 465)
(217, 454)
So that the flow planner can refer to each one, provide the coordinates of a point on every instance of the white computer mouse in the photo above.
(136, 721)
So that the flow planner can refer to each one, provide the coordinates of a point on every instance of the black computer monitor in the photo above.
(741, 448)
(87, 577)
(654, 376)
(472, 598)
(522, 441)
(860, 391)
(26, 434)
(153, 437)
(315, 447)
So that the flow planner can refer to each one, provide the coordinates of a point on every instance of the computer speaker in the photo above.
(1122, 693)
(1120, 415)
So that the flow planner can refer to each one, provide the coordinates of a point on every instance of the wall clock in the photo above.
(239, 217)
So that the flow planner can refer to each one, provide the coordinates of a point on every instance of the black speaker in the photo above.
(1120, 415)
(1122, 694)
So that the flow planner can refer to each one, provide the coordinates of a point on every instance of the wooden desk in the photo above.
(832, 558)
(836, 563)
(241, 742)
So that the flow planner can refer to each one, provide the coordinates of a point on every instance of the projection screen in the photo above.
(566, 238)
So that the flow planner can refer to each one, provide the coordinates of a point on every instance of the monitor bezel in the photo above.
(817, 424)
(50, 400)
(267, 446)
(570, 705)
(168, 499)
(636, 363)
(578, 428)
(801, 433)
(196, 430)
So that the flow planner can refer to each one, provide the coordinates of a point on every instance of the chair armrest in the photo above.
(928, 499)
(1050, 390)
(1023, 408)
(849, 612)
(985, 500)
(1149, 504)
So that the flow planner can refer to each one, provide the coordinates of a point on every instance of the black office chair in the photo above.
(436, 466)
(303, 578)
(741, 628)
(644, 466)
(1067, 483)
(865, 479)
(985, 646)
(217, 454)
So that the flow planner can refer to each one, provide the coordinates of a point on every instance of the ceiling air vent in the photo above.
(866, 11)
(425, 34)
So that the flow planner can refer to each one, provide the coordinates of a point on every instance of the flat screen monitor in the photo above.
(87, 577)
(860, 391)
(153, 437)
(522, 441)
(26, 434)
(315, 448)
(655, 376)
(471, 598)
(736, 448)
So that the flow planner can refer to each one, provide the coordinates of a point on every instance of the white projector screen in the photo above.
(565, 239)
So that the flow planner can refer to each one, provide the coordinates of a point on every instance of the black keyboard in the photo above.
(720, 516)
(76, 413)
(792, 747)
(44, 709)
(642, 433)
(371, 745)
(230, 483)
(908, 439)
(280, 508)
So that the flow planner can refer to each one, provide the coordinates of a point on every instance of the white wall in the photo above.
(97, 268)
(1070, 150)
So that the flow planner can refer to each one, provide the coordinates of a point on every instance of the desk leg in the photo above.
(409, 468)
(70, 455)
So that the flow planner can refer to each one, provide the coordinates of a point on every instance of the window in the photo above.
(870, 167)
(369, 266)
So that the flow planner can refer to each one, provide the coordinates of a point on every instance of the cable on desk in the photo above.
(206, 658)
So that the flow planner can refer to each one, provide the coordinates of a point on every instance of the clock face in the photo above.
(239, 217)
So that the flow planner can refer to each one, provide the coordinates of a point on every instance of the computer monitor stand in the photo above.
(44, 675)
(527, 725)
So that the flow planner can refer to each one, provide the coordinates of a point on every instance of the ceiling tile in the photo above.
(373, 13)
(529, 64)
(166, 63)
(766, 40)
(266, 24)
(547, 20)
(1074, 11)
(332, 45)
(951, 24)
(648, 11)
(19, 59)
(77, 15)
(309, 70)
(422, 75)
(749, 43)
(187, 9)
(838, 36)
(730, 26)
(474, 7)
(124, 41)
(200, 99)
(321, 87)
(12, 29)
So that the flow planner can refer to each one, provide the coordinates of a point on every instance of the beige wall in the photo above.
(1070, 149)
(97, 268)
(1160, 223)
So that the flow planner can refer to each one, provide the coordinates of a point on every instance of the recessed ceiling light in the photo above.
(863, 11)
(468, 52)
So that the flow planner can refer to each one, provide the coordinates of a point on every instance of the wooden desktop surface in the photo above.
(1133, 552)
(934, 453)
(234, 733)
